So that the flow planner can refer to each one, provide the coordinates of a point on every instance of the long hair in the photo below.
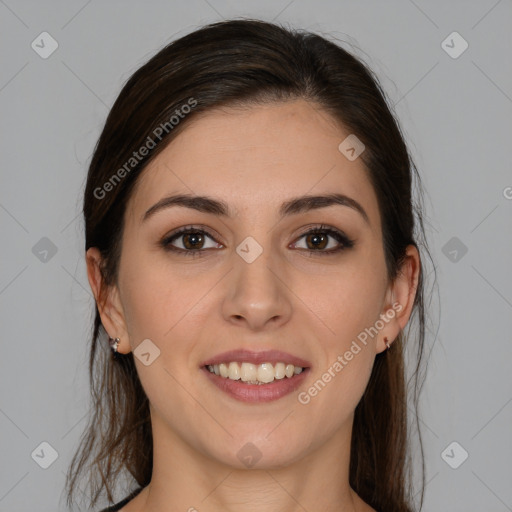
(248, 62)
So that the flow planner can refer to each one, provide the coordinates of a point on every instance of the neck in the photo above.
(185, 479)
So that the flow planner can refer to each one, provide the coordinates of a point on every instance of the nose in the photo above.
(258, 296)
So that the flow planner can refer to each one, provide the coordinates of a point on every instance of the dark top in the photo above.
(121, 504)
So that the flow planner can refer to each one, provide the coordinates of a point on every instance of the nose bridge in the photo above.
(256, 292)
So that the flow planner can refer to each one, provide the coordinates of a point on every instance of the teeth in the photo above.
(279, 371)
(223, 368)
(233, 371)
(255, 374)
(248, 372)
(266, 372)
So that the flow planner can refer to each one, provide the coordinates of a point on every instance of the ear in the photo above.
(400, 298)
(108, 301)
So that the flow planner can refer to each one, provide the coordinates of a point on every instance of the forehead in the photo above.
(256, 157)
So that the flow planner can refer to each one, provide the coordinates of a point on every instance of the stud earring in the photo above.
(387, 343)
(114, 343)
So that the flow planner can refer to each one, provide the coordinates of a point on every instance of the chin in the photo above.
(257, 452)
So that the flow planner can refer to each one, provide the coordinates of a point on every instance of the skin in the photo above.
(310, 305)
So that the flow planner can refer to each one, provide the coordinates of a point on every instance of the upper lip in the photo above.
(265, 356)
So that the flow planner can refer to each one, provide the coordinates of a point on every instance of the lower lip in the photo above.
(257, 392)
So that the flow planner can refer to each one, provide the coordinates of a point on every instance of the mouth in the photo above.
(249, 373)
(256, 376)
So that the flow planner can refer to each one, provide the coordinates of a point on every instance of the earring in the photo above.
(387, 343)
(114, 343)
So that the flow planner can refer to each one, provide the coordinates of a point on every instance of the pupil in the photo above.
(317, 238)
(196, 239)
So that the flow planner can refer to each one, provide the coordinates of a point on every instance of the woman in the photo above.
(252, 246)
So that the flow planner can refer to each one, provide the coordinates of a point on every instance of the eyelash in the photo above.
(341, 238)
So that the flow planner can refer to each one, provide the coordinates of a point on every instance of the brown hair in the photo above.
(245, 62)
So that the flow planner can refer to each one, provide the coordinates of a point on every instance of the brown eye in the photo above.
(189, 241)
(193, 240)
(318, 241)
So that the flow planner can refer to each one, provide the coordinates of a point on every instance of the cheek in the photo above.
(346, 301)
(352, 306)
(328, 404)
(161, 305)
(349, 303)
(155, 296)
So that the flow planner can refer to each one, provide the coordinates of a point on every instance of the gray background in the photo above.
(456, 115)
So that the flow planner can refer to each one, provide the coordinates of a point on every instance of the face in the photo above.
(257, 279)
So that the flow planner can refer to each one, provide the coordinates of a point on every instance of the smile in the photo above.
(249, 373)
(256, 376)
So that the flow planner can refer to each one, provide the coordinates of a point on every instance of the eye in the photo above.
(317, 240)
(192, 241)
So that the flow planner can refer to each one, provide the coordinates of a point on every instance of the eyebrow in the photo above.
(293, 206)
